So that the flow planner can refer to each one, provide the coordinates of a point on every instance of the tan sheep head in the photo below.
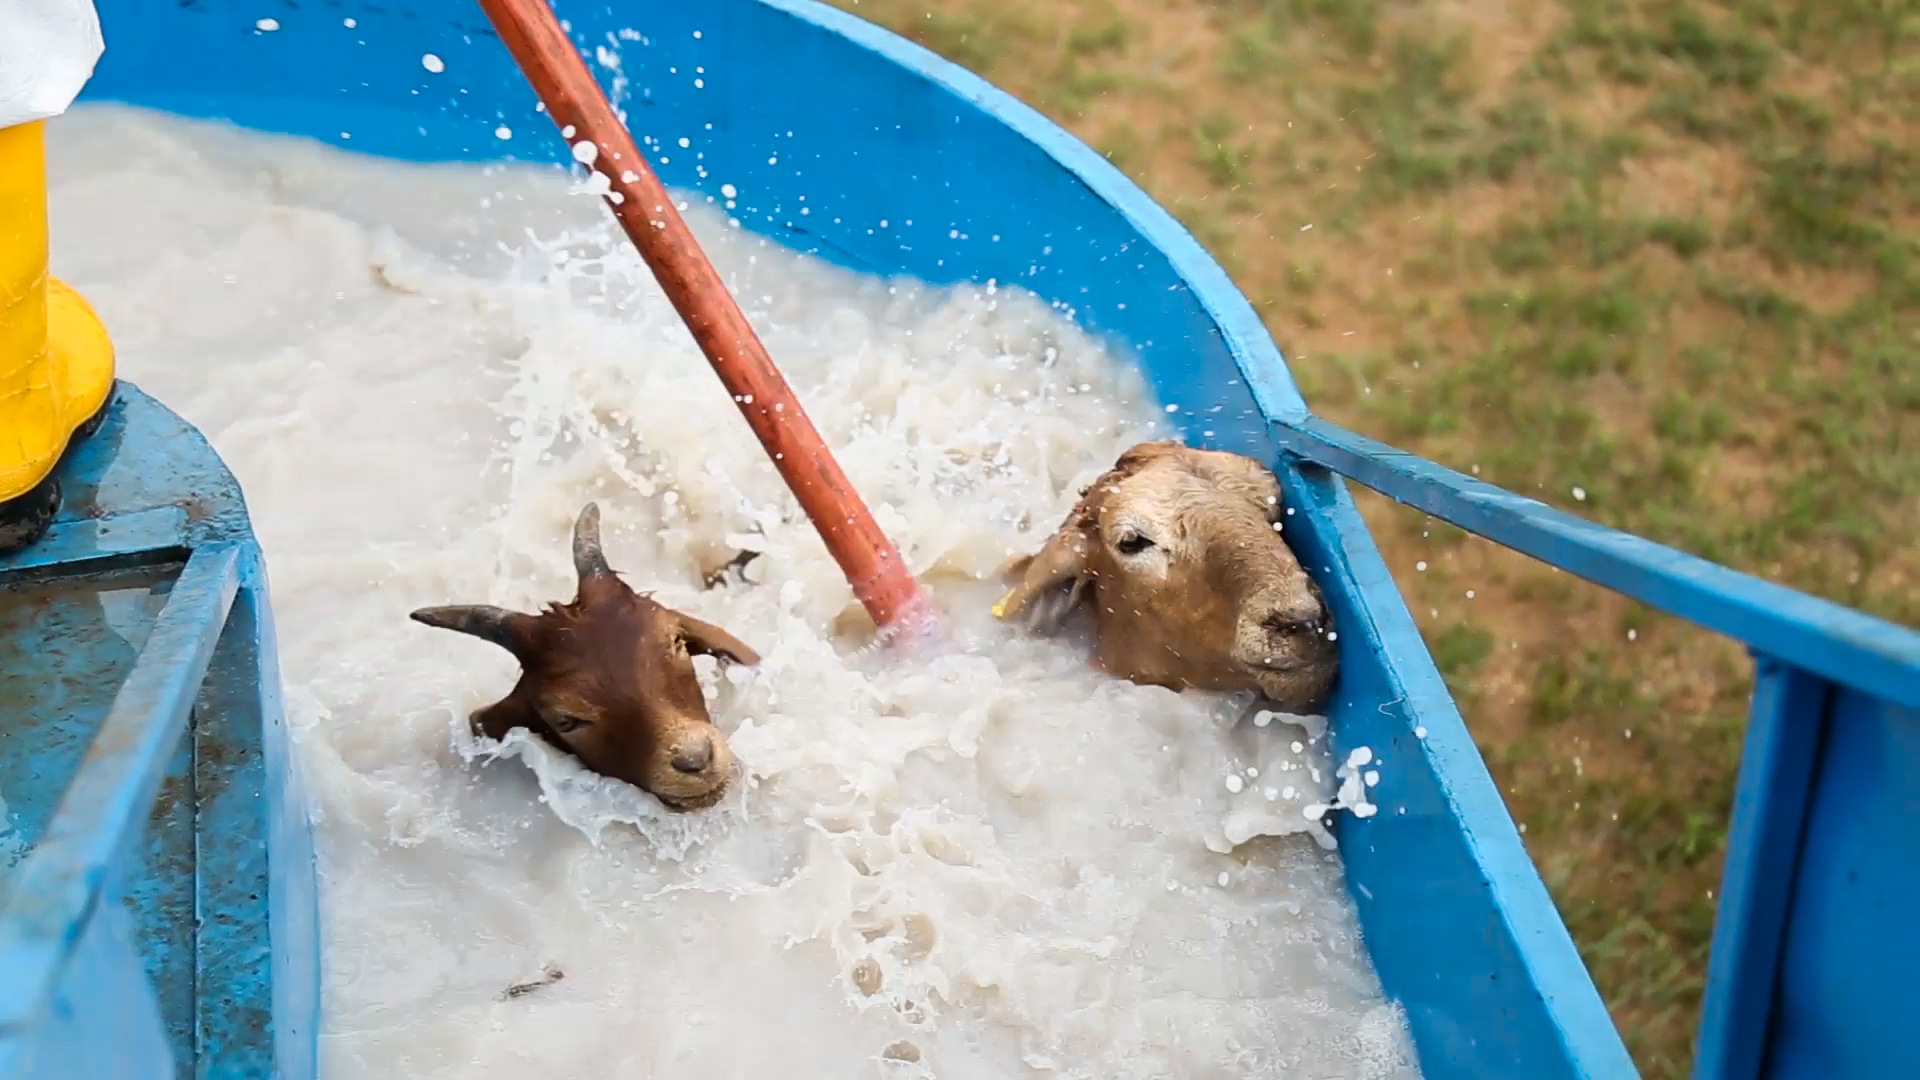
(1176, 555)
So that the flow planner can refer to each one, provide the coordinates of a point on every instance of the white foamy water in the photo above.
(987, 863)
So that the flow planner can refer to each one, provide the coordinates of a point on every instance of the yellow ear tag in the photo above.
(1000, 608)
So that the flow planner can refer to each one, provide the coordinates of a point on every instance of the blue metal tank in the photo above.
(909, 165)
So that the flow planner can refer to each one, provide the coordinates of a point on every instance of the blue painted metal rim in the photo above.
(1539, 959)
(1591, 1043)
(1259, 357)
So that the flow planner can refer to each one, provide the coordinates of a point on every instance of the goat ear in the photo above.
(503, 716)
(1047, 586)
(507, 629)
(704, 637)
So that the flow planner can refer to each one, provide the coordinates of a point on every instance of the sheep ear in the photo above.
(507, 629)
(704, 637)
(1141, 455)
(1047, 586)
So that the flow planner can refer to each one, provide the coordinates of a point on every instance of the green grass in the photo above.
(1653, 261)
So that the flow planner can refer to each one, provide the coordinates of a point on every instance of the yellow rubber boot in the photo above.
(56, 361)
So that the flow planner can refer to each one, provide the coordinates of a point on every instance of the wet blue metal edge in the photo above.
(238, 985)
(103, 1023)
(1849, 949)
(1460, 927)
(1492, 983)
(1843, 645)
(1777, 766)
(73, 544)
(59, 888)
(293, 873)
(256, 892)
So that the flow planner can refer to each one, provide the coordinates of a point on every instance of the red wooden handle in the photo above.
(573, 99)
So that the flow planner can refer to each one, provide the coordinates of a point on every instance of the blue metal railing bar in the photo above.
(59, 886)
(1838, 643)
(141, 535)
(1777, 775)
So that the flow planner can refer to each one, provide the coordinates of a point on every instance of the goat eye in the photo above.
(1132, 544)
(565, 723)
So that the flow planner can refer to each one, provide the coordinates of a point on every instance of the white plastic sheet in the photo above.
(47, 52)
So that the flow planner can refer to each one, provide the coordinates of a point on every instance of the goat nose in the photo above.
(696, 757)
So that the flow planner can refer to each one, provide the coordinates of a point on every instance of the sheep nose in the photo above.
(1289, 623)
(696, 757)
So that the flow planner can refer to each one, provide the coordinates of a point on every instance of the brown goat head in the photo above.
(1178, 554)
(609, 678)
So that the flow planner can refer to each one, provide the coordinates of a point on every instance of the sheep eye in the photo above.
(565, 723)
(1132, 544)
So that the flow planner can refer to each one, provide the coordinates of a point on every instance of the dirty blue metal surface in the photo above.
(162, 920)
(905, 164)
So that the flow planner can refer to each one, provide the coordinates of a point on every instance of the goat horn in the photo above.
(588, 560)
(483, 621)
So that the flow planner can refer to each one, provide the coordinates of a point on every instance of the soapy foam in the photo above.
(983, 862)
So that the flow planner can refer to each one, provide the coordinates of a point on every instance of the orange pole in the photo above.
(573, 98)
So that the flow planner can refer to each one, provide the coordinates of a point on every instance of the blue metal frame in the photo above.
(75, 870)
(1837, 643)
(1763, 849)
(163, 921)
(1805, 910)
